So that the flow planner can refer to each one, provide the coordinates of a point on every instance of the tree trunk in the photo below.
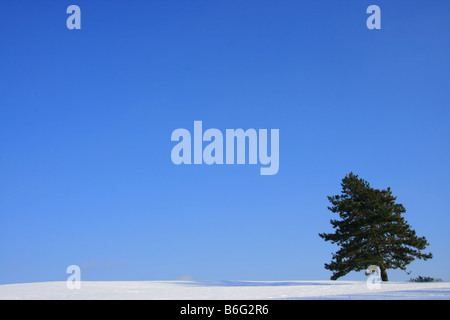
(384, 276)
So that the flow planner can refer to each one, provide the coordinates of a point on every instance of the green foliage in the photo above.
(371, 230)
(424, 279)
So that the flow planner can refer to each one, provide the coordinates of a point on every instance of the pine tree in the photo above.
(371, 231)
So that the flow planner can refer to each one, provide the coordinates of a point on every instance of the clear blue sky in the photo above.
(86, 118)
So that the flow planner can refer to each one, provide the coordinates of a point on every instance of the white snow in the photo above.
(225, 290)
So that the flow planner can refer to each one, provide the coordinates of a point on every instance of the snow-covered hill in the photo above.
(225, 290)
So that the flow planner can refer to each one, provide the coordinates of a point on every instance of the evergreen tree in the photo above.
(371, 231)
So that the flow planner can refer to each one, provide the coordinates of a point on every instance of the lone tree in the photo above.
(371, 231)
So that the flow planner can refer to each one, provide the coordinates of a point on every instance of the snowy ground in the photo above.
(226, 290)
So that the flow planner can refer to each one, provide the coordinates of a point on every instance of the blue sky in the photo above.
(86, 118)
